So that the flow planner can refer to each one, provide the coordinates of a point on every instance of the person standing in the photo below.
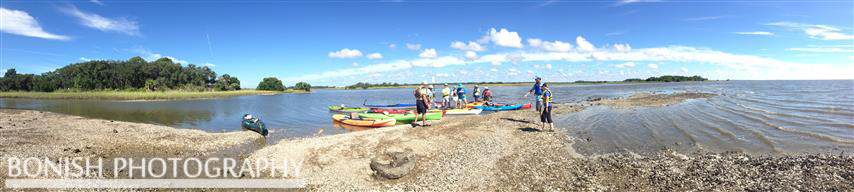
(538, 93)
(487, 94)
(546, 112)
(476, 93)
(446, 96)
(431, 96)
(422, 104)
(461, 93)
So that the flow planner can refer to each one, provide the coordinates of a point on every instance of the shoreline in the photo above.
(140, 95)
(498, 151)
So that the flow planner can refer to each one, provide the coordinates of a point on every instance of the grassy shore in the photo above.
(138, 95)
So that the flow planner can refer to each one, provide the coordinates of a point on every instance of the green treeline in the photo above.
(133, 74)
(668, 78)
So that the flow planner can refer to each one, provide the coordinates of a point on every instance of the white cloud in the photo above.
(414, 47)
(151, 56)
(96, 2)
(652, 66)
(375, 56)
(207, 64)
(392, 46)
(556, 46)
(684, 70)
(622, 47)
(471, 55)
(823, 49)
(583, 44)
(823, 32)
(549, 66)
(626, 64)
(85, 59)
(535, 42)
(755, 33)
(505, 38)
(471, 46)
(616, 33)
(345, 53)
(442, 75)
(705, 18)
(496, 70)
(428, 53)
(95, 21)
(21, 23)
(355, 64)
(626, 2)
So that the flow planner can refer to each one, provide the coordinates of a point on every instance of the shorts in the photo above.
(462, 97)
(476, 97)
(546, 117)
(420, 106)
(538, 103)
(446, 98)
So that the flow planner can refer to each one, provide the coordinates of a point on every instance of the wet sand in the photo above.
(500, 151)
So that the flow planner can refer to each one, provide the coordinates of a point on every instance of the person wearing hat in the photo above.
(461, 93)
(538, 92)
(476, 93)
(446, 96)
(546, 111)
(487, 95)
(422, 103)
(431, 96)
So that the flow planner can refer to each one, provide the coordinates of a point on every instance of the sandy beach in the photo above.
(501, 151)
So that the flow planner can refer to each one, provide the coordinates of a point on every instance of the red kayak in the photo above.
(390, 111)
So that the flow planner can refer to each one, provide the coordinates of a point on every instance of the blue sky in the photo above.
(343, 42)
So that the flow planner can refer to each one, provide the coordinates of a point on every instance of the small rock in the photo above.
(76, 151)
(115, 131)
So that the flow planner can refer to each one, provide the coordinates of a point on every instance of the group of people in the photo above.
(425, 97)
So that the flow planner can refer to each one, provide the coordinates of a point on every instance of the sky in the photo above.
(344, 42)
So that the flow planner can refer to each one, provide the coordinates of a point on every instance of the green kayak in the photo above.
(402, 118)
(339, 109)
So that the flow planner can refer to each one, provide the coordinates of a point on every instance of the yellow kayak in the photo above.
(364, 123)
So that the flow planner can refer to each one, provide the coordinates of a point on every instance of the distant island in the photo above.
(665, 78)
(134, 78)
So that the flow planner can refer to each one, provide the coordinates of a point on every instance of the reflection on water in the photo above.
(751, 116)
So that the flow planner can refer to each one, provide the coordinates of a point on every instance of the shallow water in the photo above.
(751, 116)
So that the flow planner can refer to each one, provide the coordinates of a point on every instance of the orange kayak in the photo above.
(343, 119)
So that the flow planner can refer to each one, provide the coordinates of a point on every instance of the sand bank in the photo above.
(500, 151)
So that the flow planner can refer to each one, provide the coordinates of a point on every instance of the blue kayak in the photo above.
(500, 108)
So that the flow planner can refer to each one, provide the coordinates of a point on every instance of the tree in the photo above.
(271, 83)
(303, 86)
(227, 83)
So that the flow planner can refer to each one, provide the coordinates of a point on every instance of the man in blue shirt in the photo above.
(538, 93)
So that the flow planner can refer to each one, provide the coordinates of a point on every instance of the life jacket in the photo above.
(548, 98)
(487, 93)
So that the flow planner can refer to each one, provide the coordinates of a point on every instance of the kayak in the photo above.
(391, 106)
(457, 111)
(501, 108)
(390, 111)
(255, 125)
(402, 118)
(339, 109)
(343, 119)
(475, 104)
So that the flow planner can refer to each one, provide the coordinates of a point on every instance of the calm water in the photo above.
(751, 116)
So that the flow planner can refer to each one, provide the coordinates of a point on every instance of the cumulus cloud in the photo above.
(626, 64)
(652, 66)
(549, 66)
(428, 53)
(505, 38)
(471, 55)
(355, 64)
(471, 46)
(622, 47)
(556, 46)
(95, 21)
(823, 32)
(583, 44)
(392, 46)
(151, 56)
(755, 33)
(414, 47)
(375, 56)
(209, 64)
(345, 53)
(493, 70)
(535, 42)
(21, 23)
